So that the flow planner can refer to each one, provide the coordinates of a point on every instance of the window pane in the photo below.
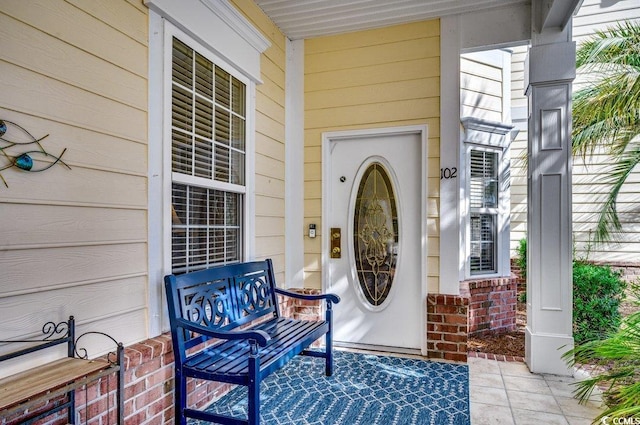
(205, 227)
(237, 168)
(181, 152)
(181, 111)
(237, 133)
(204, 118)
(198, 205)
(483, 185)
(223, 165)
(179, 226)
(233, 216)
(204, 77)
(483, 243)
(216, 246)
(223, 88)
(238, 98)
(182, 69)
(223, 125)
(217, 208)
(208, 108)
(203, 158)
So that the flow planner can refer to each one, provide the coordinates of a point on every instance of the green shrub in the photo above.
(619, 374)
(521, 257)
(522, 297)
(597, 293)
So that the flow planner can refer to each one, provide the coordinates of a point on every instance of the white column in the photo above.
(294, 165)
(550, 70)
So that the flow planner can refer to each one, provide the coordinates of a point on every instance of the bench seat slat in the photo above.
(289, 335)
(28, 384)
(229, 358)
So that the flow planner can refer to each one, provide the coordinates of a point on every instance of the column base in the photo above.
(544, 351)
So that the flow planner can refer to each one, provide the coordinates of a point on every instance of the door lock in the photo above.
(336, 250)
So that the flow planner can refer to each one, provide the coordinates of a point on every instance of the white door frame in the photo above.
(327, 139)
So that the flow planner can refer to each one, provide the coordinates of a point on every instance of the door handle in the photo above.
(336, 250)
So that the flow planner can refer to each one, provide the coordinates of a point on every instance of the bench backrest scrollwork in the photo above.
(221, 298)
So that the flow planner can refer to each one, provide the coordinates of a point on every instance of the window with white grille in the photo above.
(208, 149)
(483, 211)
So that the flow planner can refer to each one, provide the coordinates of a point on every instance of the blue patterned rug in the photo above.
(364, 390)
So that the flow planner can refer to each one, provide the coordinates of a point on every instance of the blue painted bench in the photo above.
(231, 313)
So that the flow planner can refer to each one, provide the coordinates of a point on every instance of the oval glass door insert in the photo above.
(375, 237)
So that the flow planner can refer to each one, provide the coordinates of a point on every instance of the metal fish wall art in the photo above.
(30, 155)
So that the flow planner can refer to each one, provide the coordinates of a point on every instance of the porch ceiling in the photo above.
(314, 18)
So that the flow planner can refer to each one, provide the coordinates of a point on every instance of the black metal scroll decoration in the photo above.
(51, 330)
(112, 356)
(24, 160)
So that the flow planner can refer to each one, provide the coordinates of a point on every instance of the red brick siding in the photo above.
(492, 304)
(447, 327)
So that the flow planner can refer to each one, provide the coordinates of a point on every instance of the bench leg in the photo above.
(254, 390)
(329, 354)
(181, 399)
(329, 341)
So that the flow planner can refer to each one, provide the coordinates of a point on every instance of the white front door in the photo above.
(374, 204)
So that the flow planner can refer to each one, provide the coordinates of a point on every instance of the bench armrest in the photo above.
(261, 337)
(310, 297)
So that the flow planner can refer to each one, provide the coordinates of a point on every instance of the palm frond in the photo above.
(619, 375)
(606, 112)
(608, 223)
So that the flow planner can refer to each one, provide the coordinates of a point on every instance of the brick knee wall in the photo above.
(447, 327)
(492, 304)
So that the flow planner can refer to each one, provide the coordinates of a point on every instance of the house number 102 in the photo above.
(448, 173)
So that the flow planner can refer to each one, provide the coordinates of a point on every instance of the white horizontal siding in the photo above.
(588, 190)
(481, 89)
(74, 241)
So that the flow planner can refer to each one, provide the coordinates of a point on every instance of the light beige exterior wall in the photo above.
(377, 78)
(587, 190)
(270, 141)
(481, 89)
(518, 149)
(75, 241)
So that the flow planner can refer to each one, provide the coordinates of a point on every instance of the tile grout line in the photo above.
(506, 391)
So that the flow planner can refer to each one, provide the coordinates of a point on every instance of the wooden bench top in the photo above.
(22, 386)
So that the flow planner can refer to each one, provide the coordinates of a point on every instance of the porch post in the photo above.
(550, 70)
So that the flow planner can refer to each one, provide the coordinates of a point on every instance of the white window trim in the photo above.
(220, 27)
(161, 31)
(488, 136)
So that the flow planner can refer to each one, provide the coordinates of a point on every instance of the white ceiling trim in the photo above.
(313, 18)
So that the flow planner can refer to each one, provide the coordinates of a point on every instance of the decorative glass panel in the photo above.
(376, 234)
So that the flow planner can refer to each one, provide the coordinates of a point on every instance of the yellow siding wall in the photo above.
(75, 241)
(377, 78)
(270, 147)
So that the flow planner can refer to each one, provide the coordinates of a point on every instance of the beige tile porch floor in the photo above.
(507, 393)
